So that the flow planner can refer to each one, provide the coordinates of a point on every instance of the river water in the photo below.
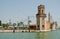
(31, 35)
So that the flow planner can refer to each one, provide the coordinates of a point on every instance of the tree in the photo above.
(14, 24)
(21, 23)
(0, 22)
(5, 25)
(18, 24)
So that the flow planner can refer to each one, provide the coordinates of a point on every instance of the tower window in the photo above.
(43, 27)
(38, 26)
(42, 11)
(39, 11)
(50, 27)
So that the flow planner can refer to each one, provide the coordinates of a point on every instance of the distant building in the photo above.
(32, 27)
(42, 23)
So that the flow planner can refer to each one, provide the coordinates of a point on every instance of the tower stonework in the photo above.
(40, 17)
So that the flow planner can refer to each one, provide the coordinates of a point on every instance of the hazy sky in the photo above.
(19, 10)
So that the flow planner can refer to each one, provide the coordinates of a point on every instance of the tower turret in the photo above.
(41, 9)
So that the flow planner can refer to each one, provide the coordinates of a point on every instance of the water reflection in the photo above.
(42, 35)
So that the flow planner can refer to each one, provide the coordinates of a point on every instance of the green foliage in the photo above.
(5, 25)
(14, 24)
(18, 24)
(21, 23)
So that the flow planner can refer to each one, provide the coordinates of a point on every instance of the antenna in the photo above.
(49, 17)
(28, 20)
(9, 22)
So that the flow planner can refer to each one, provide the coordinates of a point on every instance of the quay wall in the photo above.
(18, 30)
(24, 30)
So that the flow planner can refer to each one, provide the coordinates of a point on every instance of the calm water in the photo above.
(42, 35)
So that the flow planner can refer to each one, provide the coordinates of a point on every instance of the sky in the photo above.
(19, 10)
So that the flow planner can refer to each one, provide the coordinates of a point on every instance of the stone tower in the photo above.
(40, 17)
